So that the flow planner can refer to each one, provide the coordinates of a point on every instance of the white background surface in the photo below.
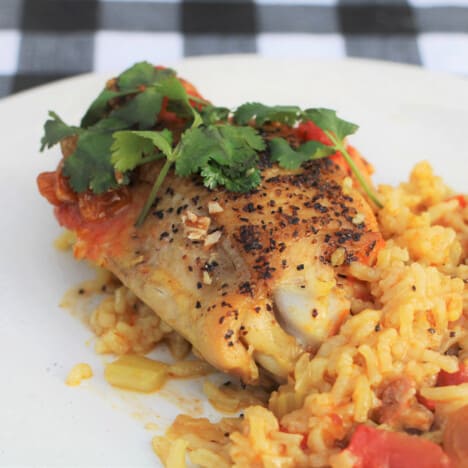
(405, 115)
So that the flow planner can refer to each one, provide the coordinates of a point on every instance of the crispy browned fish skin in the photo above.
(290, 225)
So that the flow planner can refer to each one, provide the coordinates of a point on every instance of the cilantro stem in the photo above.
(361, 179)
(198, 100)
(154, 191)
(197, 121)
(149, 159)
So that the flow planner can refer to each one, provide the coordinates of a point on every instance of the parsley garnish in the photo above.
(116, 135)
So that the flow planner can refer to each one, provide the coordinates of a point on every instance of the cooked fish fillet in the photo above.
(248, 279)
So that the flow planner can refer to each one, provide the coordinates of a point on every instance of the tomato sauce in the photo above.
(93, 217)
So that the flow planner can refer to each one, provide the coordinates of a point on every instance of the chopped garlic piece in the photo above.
(207, 278)
(214, 207)
(196, 227)
(338, 256)
(137, 260)
(212, 238)
(78, 373)
(195, 234)
(347, 185)
(191, 216)
(358, 219)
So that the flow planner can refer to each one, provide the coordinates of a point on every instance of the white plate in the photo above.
(405, 114)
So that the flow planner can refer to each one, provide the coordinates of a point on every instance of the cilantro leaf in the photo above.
(337, 130)
(111, 124)
(132, 148)
(327, 120)
(90, 166)
(289, 158)
(129, 82)
(212, 114)
(99, 107)
(141, 74)
(178, 98)
(195, 149)
(227, 145)
(223, 155)
(55, 129)
(173, 89)
(142, 109)
(261, 113)
(242, 137)
(215, 175)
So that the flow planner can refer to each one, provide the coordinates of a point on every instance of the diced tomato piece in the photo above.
(190, 88)
(171, 117)
(304, 437)
(47, 184)
(446, 378)
(308, 131)
(429, 404)
(339, 160)
(375, 448)
(362, 165)
(462, 200)
(454, 378)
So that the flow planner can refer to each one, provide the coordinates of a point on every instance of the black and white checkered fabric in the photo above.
(43, 40)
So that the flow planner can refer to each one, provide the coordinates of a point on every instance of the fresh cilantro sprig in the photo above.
(143, 89)
(222, 154)
(117, 135)
(140, 77)
(89, 167)
(335, 128)
(290, 158)
(55, 130)
(129, 150)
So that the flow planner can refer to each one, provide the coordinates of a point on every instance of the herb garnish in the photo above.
(219, 145)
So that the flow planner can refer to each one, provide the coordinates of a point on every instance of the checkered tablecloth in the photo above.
(43, 40)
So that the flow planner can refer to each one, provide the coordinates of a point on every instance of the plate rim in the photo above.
(398, 67)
